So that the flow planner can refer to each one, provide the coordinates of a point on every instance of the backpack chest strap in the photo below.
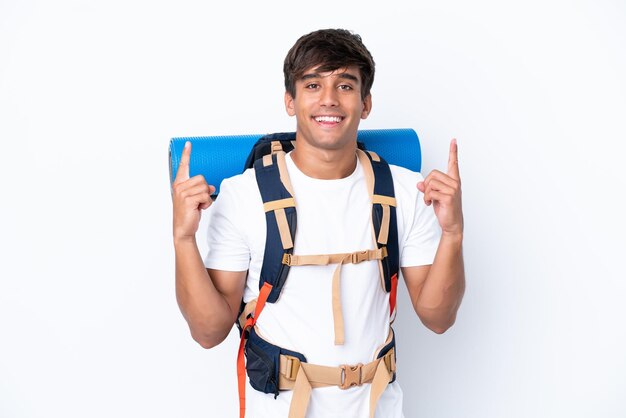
(339, 259)
(344, 258)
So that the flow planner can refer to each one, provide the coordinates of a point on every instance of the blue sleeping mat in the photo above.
(220, 157)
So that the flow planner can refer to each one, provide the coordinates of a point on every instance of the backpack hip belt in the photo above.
(303, 377)
(272, 368)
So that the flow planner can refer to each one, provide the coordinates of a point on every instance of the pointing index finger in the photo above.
(183, 167)
(453, 160)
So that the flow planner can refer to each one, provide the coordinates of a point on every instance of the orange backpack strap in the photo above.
(241, 363)
(393, 295)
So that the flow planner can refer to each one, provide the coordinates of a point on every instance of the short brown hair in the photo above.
(328, 50)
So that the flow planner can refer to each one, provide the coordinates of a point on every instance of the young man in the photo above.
(328, 76)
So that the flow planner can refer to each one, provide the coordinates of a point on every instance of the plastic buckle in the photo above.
(351, 376)
(293, 365)
(387, 360)
(276, 147)
(287, 259)
(359, 256)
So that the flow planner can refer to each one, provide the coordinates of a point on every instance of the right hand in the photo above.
(189, 196)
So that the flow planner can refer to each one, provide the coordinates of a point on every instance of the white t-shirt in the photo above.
(333, 217)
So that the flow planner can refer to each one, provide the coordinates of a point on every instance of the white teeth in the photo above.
(328, 118)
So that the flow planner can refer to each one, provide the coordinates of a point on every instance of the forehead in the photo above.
(348, 73)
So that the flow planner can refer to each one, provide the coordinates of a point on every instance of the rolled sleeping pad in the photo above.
(220, 157)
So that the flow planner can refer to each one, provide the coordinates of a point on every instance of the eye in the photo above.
(345, 87)
(311, 86)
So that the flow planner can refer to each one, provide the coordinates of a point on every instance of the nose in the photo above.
(328, 97)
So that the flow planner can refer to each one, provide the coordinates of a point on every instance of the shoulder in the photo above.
(401, 173)
(240, 187)
(238, 196)
(405, 182)
(237, 205)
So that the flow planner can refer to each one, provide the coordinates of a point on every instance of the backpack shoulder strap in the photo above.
(280, 217)
(384, 221)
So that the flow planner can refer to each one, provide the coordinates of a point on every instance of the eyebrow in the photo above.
(344, 75)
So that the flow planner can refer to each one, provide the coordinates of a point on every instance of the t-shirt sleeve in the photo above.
(227, 246)
(421, 238)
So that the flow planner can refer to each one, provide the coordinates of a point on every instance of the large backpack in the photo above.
(271, 368)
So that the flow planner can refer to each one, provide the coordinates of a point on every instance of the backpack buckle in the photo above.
(351, 376)
(390, 362)
(359, 256)
(287, 259)
(293, 365)
(276, 147)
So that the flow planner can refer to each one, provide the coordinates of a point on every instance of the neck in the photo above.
(324, 164)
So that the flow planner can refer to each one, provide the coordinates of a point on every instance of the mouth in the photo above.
(326, 120)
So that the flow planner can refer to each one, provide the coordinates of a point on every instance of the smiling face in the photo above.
(328, 108)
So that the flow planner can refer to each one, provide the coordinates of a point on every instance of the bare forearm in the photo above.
(206, 310)
(443, 290)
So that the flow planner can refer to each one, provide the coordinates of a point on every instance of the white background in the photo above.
(91, 93)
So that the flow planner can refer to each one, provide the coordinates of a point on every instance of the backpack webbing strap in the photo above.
(278, 207)
(280, 216)
(325, 259)
(241, 363)
(386, 203)
(339, 259)
(276, 147)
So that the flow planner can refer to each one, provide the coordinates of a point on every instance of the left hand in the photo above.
(443, 191)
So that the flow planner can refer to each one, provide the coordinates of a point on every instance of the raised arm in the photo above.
(208, 299)
(436, 291)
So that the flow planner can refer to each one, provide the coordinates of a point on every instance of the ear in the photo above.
(367, 106)
(289, 104)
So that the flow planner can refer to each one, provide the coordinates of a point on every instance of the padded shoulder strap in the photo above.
(280, 217)
(384, 219)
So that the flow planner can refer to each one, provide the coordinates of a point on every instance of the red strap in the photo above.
(241, 363)
(393, 293)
